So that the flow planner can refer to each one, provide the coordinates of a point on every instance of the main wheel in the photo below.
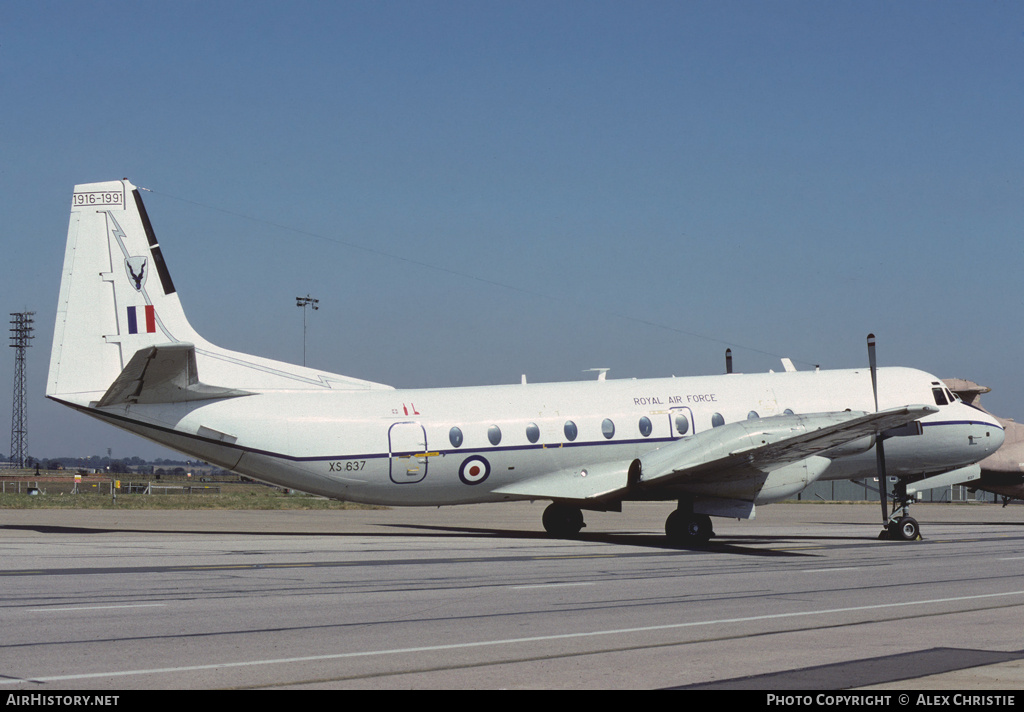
(685, 528)
(562, 520)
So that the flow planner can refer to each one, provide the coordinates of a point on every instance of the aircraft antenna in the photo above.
(21, 336)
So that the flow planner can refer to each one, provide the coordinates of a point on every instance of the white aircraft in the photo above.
(124, 352)
(1001, 473)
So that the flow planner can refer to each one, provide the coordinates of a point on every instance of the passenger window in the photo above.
(682, 424)
(570, 430)
(607, 428)
(455, 435)
(717, 420)
(788, 411)
(752, 415)
(494, 434)
(940, 397)
(532, 432)
(645, 426)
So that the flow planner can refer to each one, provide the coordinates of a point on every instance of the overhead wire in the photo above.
(467, 276)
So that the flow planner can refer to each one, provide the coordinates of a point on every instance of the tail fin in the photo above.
(117, 298)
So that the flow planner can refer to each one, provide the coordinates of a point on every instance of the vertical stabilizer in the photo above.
(117, 297)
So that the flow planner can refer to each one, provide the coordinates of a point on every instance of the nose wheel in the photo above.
(901, 526)
(902, 529)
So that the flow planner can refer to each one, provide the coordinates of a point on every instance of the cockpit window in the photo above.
(940, 397)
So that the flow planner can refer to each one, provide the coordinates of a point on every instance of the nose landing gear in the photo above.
(901, 526)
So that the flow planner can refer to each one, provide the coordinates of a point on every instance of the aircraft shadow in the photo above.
(739, 545)
(721, 545)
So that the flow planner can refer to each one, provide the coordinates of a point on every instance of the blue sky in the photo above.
(477, 190)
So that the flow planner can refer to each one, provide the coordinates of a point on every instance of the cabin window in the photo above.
(717, 420)
(532, 432)
(494, 434)
(940, 397)
(645, 426)
(607, 428)
(788, 411)
(570, 430)
(682, 424)
(455, 435)
(752, 415)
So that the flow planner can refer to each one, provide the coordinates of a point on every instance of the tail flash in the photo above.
(117, 299)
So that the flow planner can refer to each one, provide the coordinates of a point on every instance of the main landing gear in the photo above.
(683, 527)
(563, 520)
(686, 528)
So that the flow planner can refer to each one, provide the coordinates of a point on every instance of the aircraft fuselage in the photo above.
(458, 445)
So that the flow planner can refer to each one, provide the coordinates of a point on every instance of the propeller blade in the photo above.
(883, 486)
(879, 448)
(873, 363)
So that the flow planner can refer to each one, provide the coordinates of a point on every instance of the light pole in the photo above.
(303, 302)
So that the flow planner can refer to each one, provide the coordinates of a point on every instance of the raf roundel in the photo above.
(474, 470)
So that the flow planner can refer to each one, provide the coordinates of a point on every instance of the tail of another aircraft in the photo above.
(118, 312)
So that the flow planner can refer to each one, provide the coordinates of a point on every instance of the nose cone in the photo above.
(999, 437)
(984, 430)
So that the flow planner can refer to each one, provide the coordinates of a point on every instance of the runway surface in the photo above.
(802, 598)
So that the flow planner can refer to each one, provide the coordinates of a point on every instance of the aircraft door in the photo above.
(680, 421)
(407, 447)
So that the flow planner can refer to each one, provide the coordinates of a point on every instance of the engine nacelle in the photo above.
(786, 481)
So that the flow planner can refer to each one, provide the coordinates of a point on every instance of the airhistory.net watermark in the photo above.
(37, 700)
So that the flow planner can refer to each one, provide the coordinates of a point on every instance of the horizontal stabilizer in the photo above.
(165, 373)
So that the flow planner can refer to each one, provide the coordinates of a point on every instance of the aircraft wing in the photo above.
(162, 374)
(759, 446)
(729, 461)
(604, 482)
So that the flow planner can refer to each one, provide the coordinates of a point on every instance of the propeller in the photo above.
(879, 448)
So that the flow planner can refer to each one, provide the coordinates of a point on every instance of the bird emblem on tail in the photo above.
(136, 268)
